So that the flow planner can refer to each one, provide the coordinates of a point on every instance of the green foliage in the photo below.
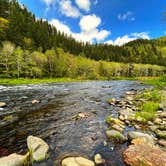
(150, 95)
(147, 111)
(145, 116)
(109, 119)
(150, 106)
(20, 27)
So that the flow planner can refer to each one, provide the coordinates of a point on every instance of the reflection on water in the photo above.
(53, 118)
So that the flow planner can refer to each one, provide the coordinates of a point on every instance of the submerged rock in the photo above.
(13, 160)
(3, 104)
(115, 136)
(144, 155)
(35, 101)
(77, 161)
(38, 148)
(98, 159)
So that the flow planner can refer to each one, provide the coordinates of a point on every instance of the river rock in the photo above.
(112, 101)
(38, 148)
(162, 143)
(98, 159)
(106, 86)
(130, 93)
(144, 155)
(127, 114)
(118, 127)
(3, 104)
(134, 134)
(77, 161)
(13, 160)
(161, 134)
(142, 140)
(115, 136)
(35, 101)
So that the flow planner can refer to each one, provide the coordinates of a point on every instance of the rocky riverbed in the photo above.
(71, 117)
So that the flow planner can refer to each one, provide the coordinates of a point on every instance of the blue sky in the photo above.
(103, 21)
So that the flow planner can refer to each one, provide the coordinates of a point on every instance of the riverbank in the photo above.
(145, 113)
(20, 81)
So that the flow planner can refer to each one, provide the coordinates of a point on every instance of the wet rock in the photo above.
(162, 143)
(77, 161)
(142, 140)
(38, 148)
(117, 127)
(106, 86)
(129, 99)
(98, 159)
(130, 93)
(3, 104)
(161, 134)
(162, 114)
(127, 114)
(115, 136)
(13, 160)
(158, 121)
(134, 134)
(81, 115)
(35, 101)
(112, 101)
(144, 155)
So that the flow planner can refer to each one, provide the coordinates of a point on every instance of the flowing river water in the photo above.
(53, 118)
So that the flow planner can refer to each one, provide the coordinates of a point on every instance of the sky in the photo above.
(103, 21)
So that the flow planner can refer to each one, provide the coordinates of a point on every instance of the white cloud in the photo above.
(126, 16)
(60, 26)
(68, 9)
(88, 32)
(127, 38)
(89, 22)
(83, 4)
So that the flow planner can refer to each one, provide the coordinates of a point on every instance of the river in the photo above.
(53, 118)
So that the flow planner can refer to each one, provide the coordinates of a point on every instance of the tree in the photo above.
(6, 57)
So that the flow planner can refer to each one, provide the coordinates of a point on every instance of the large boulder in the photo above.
(38, 148)
(13, 160)
(3, 104)
(134, 135)
(144, 155)
(77, 161)
(115, 136)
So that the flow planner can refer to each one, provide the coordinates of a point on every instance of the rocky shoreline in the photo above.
(146, 140)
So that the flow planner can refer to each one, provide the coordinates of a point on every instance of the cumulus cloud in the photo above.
(89, 22)
(128, 38)
(126, 16)
(83, 4)
(60, 26)
(89, 31)
(68, 9)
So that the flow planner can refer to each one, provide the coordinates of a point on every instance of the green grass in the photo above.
(36, 81)
(147, 111)
(150, 95)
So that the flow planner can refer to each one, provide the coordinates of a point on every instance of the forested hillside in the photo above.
(29, 48)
